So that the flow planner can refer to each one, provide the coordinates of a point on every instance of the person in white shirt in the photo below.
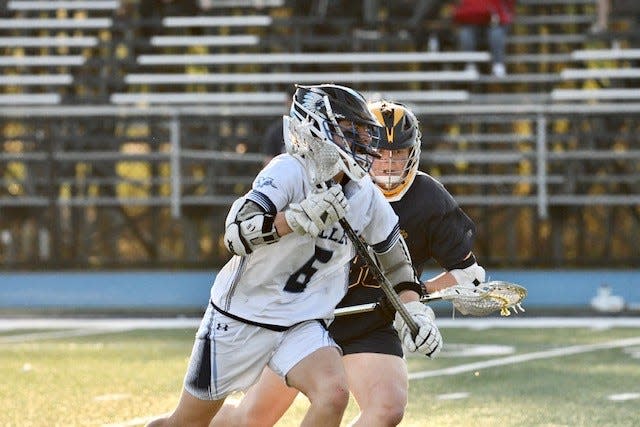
(271, 303)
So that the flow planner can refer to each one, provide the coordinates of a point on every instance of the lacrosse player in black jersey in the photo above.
(433, 226)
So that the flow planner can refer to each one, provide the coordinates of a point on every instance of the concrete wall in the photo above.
(190, 289)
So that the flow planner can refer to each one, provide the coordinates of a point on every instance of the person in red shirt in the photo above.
(490, 17)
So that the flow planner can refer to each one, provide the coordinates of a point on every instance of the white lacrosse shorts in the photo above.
(229, 355)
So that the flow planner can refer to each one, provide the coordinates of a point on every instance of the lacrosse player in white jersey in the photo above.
(271, 303)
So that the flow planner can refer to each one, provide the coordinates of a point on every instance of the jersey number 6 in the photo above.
(299, 280)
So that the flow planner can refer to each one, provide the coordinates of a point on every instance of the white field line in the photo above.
(91, 326)
(511, 360)
(8, 324)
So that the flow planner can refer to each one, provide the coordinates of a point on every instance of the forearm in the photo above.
(467, 269)
(409, 296)
(281, 225)
(441, 281)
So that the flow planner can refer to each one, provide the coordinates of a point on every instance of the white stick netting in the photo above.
(491, 297)
(322, 158)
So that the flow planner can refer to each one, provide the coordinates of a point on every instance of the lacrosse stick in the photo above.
(325, 161)
(482, 300)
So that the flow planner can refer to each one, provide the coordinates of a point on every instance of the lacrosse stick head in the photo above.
(332, 127)
(485, 299)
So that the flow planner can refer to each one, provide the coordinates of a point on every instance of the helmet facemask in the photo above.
(338, 116)
(359, 141)
(395, 169)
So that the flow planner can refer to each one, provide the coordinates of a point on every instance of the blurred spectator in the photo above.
(602, 16)
(629, 9)
(492, 18)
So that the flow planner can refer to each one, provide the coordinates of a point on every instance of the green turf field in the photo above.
(122, 378)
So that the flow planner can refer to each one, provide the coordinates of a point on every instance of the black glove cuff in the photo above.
(411, 286)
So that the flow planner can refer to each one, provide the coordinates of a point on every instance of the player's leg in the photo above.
(190, 411)
(312, 363)
(219, 365)
(377, 376)
(263, 404)
(379, 384)
(320, 376)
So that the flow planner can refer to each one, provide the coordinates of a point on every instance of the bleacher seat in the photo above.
(230, 40)
(316, 58)
(36, 79)
(40, 5)
(200, 98)
(216, 21)
(595, 94)
(600, 73)
(306, 78)
(30, 99)
(605, 54)
(54, 23)
(47, 41)
(42, 61)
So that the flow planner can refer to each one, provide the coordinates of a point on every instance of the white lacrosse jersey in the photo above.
(300, 277)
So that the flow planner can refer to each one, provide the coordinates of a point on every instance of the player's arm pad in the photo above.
(396, 266)
(247, 227)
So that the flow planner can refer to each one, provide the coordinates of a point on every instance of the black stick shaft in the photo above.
(387, 288)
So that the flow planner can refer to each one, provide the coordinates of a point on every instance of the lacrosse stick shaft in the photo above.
(366, 308)
(386, 287)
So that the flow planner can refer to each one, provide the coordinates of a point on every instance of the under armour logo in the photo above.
(222, 327)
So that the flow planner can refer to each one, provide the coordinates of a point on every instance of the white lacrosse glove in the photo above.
(428, 341)
(317, 212)
(470, 277)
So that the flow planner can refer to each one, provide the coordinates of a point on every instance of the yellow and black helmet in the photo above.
(399, 147)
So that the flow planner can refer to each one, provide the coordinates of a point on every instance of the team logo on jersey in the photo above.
(404, 234)
(265, 181)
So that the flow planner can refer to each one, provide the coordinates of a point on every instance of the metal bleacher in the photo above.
(130, 141)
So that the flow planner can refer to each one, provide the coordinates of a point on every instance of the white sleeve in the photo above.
(280, 183)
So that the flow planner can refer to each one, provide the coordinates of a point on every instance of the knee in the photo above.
(264, 411)
(391, 415)
(248, 420)
(388, 410)
(332, 396)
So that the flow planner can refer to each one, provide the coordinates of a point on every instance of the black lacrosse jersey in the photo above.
(433, 226)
